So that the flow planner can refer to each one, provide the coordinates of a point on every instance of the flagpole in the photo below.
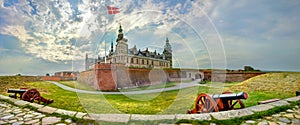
(105, 33)
(105, 52)
(110, 10)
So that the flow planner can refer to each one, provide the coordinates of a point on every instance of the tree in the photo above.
(248, 68)
(47, 74)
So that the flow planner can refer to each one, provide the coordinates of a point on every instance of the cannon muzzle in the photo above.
(231, 96)
(16, 90)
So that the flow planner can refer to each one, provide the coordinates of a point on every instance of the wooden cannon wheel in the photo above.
(31, 95)
(204, 104)
(232, 103)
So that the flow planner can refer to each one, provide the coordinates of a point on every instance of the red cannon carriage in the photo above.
(29, 95)
(218, 102)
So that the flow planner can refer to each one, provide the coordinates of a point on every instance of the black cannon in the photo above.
(28, 95)
(17, 92)
(218, 102)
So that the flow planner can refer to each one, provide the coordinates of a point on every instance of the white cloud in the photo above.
(48, 33)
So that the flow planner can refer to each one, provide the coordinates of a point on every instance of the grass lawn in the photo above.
(78, 85)
(155, 86)
(169, 102)
(267, 86)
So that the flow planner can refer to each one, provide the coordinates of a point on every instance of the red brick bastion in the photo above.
(118, 76)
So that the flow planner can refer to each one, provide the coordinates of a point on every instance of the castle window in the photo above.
(131, 60)
(143, 62)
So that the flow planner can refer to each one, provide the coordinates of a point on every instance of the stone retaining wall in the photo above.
(124, 118)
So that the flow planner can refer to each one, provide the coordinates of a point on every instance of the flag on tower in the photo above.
(112, 10)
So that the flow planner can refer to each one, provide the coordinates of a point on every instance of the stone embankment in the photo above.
(22, 112)
(289, 117)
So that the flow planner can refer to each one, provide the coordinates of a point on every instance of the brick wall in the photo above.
(105, 76)
(230, 76)
(87, 77)
(114, 76)
(51, 78)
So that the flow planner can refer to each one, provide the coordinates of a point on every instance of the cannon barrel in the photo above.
(16, 90)
(232, 96)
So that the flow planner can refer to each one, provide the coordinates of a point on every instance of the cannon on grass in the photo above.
(30, 95)
(218, 102)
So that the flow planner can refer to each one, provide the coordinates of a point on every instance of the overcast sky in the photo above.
(39, 37)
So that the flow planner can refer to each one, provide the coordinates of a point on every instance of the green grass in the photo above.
(263, 87)
(268, 86)
(170, 102)
(15, 82)
(155, 86)
(78, 85)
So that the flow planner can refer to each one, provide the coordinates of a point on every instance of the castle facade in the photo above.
(134, 57)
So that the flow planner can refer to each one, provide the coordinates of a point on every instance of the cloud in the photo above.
(61, 31)
(47, 27)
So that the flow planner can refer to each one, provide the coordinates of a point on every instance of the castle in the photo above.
(133, 57)
(128, 68)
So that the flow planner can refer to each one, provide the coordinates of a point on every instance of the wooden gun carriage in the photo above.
(218, 102)
(28, 95)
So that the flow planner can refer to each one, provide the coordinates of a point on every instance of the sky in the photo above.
(39, 37)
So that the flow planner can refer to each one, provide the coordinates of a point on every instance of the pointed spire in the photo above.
(120, 35)
(112, 47)
(167, 40)
(167, 46)
(120, 29)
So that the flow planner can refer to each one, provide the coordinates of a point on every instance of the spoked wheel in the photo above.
(204, 104)
(31, 95)
(234, 104)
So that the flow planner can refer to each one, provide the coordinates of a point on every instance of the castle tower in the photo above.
(168, 51)
(121, 52)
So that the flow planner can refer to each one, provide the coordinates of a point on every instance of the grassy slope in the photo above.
(15, 82)
(268, 86)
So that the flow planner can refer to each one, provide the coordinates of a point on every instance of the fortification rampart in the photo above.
(118, 76)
